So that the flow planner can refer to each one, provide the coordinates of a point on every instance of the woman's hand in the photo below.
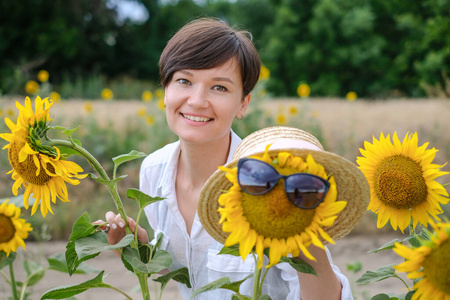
(117, 228)
(323, 286)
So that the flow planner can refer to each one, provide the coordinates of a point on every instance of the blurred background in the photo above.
(344, 70)
(375, 48)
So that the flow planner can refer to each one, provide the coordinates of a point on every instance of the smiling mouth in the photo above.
(196, 119)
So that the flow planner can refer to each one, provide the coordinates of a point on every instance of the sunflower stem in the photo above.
(143, 283)
(13, 282)
(117, 200)
(120, 291)
(403, 282)
(412, 231)
(257, 288)
(5, 277)
(264, 277)
(101, 172)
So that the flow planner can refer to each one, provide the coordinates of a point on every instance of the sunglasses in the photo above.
(304, 190)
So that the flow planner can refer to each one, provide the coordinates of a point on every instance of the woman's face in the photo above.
(201, 104)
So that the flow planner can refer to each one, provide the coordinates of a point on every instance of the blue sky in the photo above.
(129, 9)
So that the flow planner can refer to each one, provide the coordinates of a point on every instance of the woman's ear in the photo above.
(244, 105)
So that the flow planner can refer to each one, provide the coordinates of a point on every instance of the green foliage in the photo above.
(381, 273)
(221, 283)
(68, 291)
(374, 47)
(355, 267)
(180, 275)
(371, 47)
(142, 198)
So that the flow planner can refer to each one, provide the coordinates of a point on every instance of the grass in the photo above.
(111, 128)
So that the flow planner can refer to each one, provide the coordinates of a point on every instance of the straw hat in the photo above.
(351, 184)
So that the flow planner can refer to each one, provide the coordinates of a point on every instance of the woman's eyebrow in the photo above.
(214, 78)
(186, 72)
(223, 79)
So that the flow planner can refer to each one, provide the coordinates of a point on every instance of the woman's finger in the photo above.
(103, 227)
(110, 217)
(142, 234)
(119, 221)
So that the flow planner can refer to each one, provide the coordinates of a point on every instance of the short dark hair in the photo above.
(207, 43)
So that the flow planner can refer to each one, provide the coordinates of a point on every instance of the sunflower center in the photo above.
(273, 215)
(399, 182)
(7, 229)
(437, 268)
(26, 169)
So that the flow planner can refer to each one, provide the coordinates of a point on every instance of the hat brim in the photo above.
(351, 185)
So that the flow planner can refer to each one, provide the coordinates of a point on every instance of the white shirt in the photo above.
(198, 251)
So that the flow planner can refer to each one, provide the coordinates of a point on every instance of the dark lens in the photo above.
(305, 190)
(256, 177)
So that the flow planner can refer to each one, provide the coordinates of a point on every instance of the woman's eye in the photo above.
(183, 81)
(220, 88)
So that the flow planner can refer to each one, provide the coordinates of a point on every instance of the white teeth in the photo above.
(196, 119)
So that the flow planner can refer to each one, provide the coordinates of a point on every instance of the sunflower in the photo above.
(430, 263)
(303, 90)
(271, 220)
(38, 168)
(402, 181)
(13, 230)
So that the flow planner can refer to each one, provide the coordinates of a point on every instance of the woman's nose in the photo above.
(198, 97)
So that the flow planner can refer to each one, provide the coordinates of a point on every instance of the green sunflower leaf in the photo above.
(35, 272)
(66, 131)
(381, 297)
(299, 265)
(233, 250)
(265, 297)
(57, 262)
(64, 292)
(142, 198)
(234, 286)
(68, 151)
(424, 234)
(393, 296)
(409, 295)
(97, 242)
(82, 227)
(118, 160)
(110, 183)
(180, 275)
(354, 267)
(241, 297)
(160, 261)
(6, 260)
(387, 246)
(73, 262)
(213, 285)
(159, 239)
(416, 240)
(145, 252)
(221, 283)
(18, 200)
(126, 264)
(377, 275)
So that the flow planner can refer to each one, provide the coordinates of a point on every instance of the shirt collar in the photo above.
(235, 140)
(167, 182)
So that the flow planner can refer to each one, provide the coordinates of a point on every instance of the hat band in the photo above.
(281, 144)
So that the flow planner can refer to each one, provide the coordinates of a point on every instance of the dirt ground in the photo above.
(351, 249)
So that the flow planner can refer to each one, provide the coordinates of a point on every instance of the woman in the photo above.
(208, 71)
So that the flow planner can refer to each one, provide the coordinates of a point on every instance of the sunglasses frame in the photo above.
(284, 177)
